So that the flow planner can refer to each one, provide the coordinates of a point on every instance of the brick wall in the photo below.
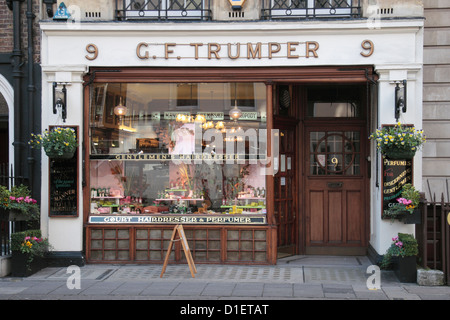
(6, 29)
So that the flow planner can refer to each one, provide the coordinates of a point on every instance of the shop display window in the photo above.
(174, 148)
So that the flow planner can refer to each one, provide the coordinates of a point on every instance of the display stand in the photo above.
(182, 237)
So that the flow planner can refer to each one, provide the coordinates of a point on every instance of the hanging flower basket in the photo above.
(59, 142)
(400, 154)
(398, 142)
(57, 155)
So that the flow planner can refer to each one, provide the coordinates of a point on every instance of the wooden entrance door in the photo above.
(285, 191)
(335, 190)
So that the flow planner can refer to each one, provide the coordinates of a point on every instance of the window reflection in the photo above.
(176, 150)
(336, 101)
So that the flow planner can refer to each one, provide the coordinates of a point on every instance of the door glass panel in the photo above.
(283, 141)
(352, 137)
(335, 153)
(334, 142)
(315, 138)
(277, 183)
(334, 163)
(289, 186)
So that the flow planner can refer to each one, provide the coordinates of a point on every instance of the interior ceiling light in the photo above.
(120, 110)
(235, 113)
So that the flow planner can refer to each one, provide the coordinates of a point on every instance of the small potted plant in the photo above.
(28, 251)
(58, 142)
(407, 206)
(399, 141)
(404, 249)
(17, 205)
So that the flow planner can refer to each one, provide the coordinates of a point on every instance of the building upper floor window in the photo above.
(311, 8)
(163, 9)
(203, 9)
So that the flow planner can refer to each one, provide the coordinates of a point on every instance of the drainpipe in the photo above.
(31, 88)
(17, 64)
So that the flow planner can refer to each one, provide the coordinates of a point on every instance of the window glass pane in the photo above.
(334, 102)
(174, 148)
(335, 153)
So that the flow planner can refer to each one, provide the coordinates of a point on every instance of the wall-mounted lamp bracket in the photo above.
(60, 100)
(400, 98)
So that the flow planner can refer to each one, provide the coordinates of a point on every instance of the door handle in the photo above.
(335, 185)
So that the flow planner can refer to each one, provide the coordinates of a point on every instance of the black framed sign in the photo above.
(63, 186)
(396, 173)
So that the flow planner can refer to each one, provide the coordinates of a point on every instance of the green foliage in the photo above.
(29, 242)
(18, 237)
(56, 141)
(410, 193)
(404, 245)
(397, 138)
(19, 198)
(408, 202)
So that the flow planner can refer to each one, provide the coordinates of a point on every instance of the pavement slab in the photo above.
(293, 278)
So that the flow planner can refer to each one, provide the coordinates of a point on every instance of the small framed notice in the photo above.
(396, 173)
(63, 186)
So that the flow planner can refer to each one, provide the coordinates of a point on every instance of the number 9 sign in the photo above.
(92, 52)
(369, 47)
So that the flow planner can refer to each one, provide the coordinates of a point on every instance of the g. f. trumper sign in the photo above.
(233, 51)
(198, 50)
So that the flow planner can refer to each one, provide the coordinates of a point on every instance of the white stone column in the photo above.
(64, 233)
(382, 231)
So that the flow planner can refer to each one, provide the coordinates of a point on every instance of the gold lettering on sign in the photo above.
(196, 45)
(274, 47)
(368, 46)
(167, 50)
(258, 50)
(238, 51)
(213, 51)
(138, 50)
(291, 48)
(251, 53)
(91, 49)
(312, 47)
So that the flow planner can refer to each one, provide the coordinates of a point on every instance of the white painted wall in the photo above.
(64, 234)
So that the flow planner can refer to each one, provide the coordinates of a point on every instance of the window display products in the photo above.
(176, 153)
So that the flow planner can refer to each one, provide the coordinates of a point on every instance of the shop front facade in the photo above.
(252, 135)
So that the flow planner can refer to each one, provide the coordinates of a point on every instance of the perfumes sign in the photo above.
(396, 173)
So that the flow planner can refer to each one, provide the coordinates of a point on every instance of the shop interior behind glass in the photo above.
(177, 148)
